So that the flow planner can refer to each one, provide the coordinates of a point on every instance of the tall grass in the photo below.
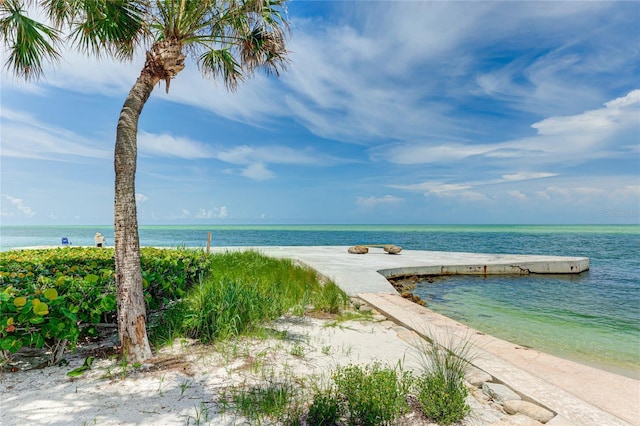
(241, 292)
(441, 390)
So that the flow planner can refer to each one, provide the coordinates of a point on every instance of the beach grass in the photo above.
(242, 292)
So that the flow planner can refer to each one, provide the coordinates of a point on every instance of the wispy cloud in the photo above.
(24, 136)
(443, 188)
(214, 213)
(371, 202)
(166, 145)
(15, 207)
(257, 171)
(141, 198)
(273, 154)
(599, 133)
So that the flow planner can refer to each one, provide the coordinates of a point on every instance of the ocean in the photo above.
(592, 318)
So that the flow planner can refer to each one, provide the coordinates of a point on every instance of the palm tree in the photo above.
(228, 39)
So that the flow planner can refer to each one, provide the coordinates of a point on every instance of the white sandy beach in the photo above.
(184, 384)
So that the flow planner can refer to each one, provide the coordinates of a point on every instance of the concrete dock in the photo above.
(368, 273)
(578, 394)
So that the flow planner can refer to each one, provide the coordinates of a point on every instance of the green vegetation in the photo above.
(242, 293)
(53, 297)
(372, 395)
(441, 390)
(272, 399)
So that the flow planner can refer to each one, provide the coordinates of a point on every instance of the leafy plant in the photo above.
(441, 390)
(52, 297)
(325, 409)
(373, 395)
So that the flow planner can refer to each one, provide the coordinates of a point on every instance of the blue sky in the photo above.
(390, 112)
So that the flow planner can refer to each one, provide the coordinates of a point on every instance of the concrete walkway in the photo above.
(580, 395)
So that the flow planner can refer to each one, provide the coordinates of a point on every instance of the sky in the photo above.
(405, 112)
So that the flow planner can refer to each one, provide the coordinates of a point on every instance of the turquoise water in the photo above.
(592, 318)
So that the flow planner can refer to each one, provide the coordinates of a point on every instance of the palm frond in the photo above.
(111, 26)
(30, 42)
(61, 12)
(264, 49)
(221, 63)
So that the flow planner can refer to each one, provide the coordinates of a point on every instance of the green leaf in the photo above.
(67, 313)
(51, 294)
(108, 303)
(40, 308)
(91, 278)
(7, 343)
(77, 372)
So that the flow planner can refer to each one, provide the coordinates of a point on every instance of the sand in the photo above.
(185, 384)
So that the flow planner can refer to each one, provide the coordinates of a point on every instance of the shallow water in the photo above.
(564, 316)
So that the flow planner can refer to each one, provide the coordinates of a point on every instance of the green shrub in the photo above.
(324, 410)
(441, 391)
(442, 397)
(373, 395)
(57, 295)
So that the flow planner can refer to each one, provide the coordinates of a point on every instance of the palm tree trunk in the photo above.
(163, 62)
(131, 306)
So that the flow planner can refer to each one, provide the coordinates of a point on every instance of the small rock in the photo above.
(477, 377)
(498, 392)
(358, 250)
(528, 409)
(392, 249)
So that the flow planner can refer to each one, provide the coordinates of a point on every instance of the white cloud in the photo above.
(616, 114)
(273, 154)
(15, 207)
(527, 176)
(627, 191)
(141, 198)
(427, 153)
(444, 188)
(24, 136)
(594, 134)
(257, 171)
(371, 202)
(167, 145)
(570, 193)
(518, 195)
(214, 213)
